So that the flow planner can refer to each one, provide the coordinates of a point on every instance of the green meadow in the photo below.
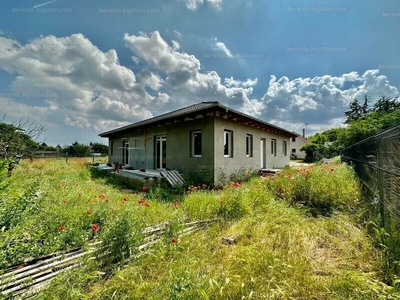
(297, 235)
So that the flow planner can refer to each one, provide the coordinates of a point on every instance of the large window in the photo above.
(284, 145)
(228, 143)
(196, 143)
(249, 145)
(273, 147)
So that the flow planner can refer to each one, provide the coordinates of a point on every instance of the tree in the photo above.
(386, 104)
(357, 111)
(99, 148)
(76, 149)
(19, 138)
(311, 151)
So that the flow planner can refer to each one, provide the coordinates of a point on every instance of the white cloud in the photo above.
(184, 81)
(175, 45)
(230, 82)
(321, 99)
(91, 87)
(221, 47)
(195, 4)
(93, 91)
(177, 33)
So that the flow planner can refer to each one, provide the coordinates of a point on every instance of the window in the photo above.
(293, 139)
(293, 150)
(249, 145)
(112, 148)
(228, 143)
(125, 152)
(196, 143)
(273, 147)
(284, 145)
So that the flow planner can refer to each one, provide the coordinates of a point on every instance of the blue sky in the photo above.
(83, 67)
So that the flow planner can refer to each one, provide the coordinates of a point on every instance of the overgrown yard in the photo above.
(296, 235)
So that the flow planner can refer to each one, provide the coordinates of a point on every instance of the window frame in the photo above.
(193, 144)
(273, 147)
(228, 140)
(249, 145)
(284, 146)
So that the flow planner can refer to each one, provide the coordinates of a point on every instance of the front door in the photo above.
(161, 152)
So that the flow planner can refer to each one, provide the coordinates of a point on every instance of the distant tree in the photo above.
(374, 123)
(357, 111)
(311, 150)
(44, 147)
(19, 138)
(99, 148)
(386, 105)
(318, 138)
(78, 149)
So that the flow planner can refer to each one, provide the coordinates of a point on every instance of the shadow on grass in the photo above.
(116, 181)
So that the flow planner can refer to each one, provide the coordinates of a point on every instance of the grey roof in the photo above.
(188, 110)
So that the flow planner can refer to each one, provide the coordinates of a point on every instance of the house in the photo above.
(296, 143)
(207, 137)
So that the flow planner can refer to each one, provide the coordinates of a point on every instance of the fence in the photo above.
(377, 164)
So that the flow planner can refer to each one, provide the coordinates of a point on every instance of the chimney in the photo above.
(304, 133)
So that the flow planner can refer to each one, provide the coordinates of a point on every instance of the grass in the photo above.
(285, 247)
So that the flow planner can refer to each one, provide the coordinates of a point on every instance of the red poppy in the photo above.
(95, 227)
(222, 202)
(61, 228)
(141, 201)
(173, 241)
(88, 212)
(166, 224)
(125, 199)
(144, 188)
(147, 204)
(176, 203)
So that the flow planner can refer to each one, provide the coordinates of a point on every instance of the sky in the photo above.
(80, 68)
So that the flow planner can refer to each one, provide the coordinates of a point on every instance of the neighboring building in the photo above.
(296, 143)
(205, 136)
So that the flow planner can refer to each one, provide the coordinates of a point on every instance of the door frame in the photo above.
(160, 152)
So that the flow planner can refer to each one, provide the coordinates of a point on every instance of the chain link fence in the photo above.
(377, 163)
